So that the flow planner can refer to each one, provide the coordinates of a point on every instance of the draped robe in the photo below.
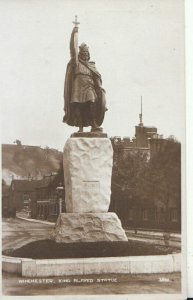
(82, 85)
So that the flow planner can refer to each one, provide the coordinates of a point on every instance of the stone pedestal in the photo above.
(87, 171)
(88, 227)
(96, 134)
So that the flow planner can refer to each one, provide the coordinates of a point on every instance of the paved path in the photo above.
(17, 232)
(155, 238)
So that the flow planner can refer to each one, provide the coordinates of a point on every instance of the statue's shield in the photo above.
(101, 108)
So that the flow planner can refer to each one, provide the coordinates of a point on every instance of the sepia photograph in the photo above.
(93, 149)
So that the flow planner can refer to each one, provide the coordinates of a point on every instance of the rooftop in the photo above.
(25, 185)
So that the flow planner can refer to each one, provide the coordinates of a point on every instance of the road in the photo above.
(17, 232)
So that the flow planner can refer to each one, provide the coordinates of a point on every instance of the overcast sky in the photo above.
(138, 47)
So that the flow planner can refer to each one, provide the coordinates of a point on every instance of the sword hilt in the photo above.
(75, 22)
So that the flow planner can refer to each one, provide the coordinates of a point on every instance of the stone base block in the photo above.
(88, 227)
(94, 134)
(87, 172)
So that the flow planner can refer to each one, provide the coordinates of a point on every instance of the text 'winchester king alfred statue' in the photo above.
(84, 97)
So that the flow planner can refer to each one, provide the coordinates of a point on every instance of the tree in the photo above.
(128, 167)
(161, 181)
(59, 178)
(155, 183)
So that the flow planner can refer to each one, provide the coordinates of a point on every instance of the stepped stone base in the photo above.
(88, 227)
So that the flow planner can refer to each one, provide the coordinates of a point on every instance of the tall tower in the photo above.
(141, 114)
(143, 133)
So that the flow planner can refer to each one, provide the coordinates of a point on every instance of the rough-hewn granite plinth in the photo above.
(88, 227)
(87, 172)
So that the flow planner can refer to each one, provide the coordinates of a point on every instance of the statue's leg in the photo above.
(78, 115)
(92, 107)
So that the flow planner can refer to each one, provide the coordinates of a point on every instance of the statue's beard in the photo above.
(84, 56)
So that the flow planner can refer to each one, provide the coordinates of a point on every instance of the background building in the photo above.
(49, 201)
(146, 180)
(21, 193)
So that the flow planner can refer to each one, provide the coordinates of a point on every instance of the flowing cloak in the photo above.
(68, 85)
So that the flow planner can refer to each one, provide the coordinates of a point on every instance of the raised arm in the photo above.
(74, 44)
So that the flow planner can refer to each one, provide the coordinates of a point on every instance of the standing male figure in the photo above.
(84, 98)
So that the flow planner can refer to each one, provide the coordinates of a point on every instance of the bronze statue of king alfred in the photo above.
(84, 97)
